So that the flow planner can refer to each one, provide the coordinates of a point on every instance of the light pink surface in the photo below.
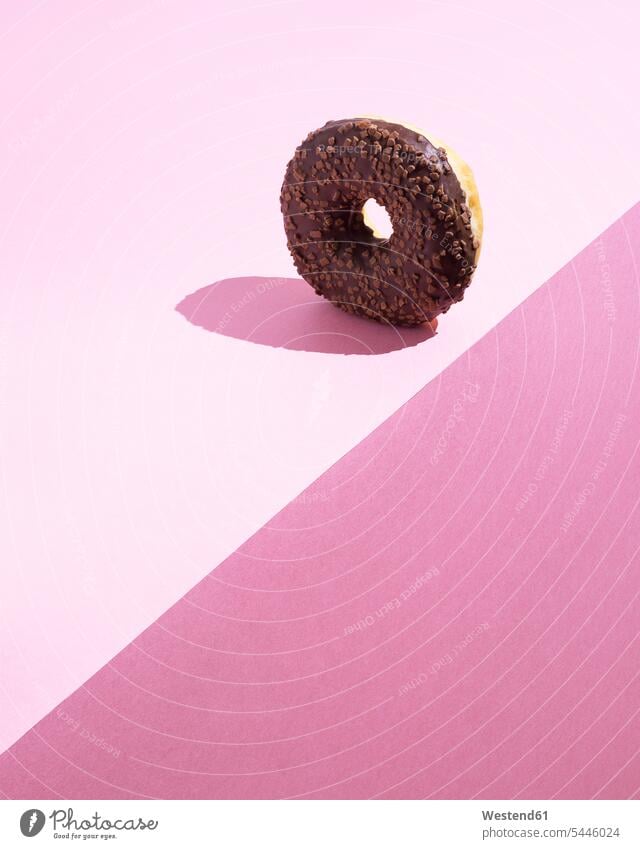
(142, 147)
(450, 611)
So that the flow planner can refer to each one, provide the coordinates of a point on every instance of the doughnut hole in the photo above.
(377, 219)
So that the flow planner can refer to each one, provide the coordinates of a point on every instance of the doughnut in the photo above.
(430, 196)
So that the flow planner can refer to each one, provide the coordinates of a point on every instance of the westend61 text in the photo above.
(514, 815)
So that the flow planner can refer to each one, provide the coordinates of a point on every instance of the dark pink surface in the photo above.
(482, 543)
(285, 312)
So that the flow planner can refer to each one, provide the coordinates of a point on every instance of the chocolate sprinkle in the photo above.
(426, 263)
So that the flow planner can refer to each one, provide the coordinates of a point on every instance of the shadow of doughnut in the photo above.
(284, 312)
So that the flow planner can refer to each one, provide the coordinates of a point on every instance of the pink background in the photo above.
(450, 611)
(143, 150)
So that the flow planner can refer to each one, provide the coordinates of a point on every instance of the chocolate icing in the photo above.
(427, 262)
